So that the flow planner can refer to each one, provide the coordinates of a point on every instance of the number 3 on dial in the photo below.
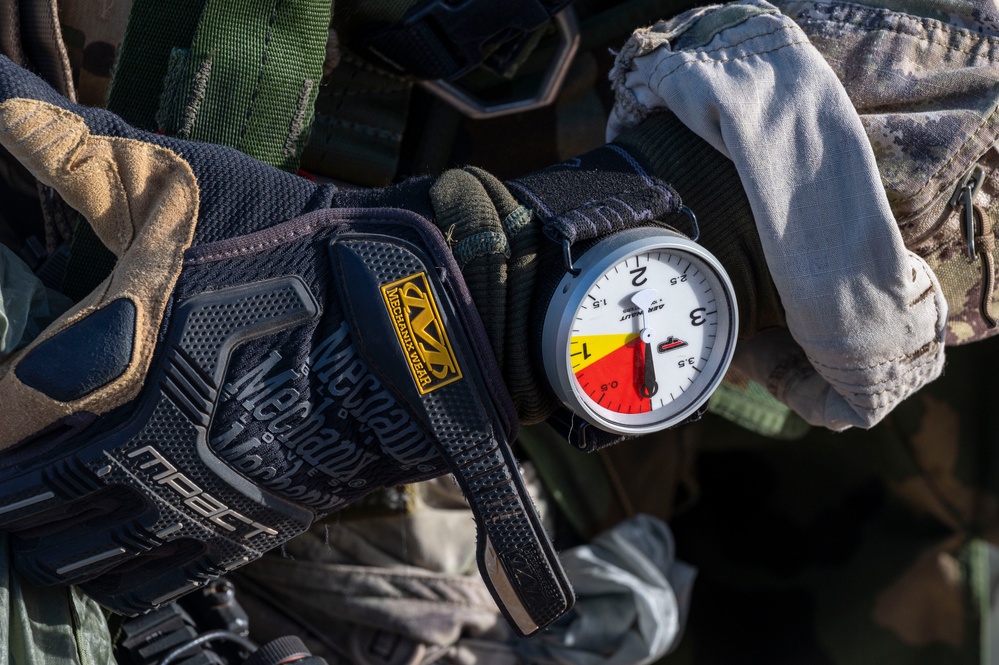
(641, 337)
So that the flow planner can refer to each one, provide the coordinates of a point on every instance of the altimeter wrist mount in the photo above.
(638, 322)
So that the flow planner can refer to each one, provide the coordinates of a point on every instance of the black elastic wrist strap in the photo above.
(603, 191)
(471, 431)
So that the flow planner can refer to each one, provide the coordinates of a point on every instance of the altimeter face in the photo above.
(646, 333)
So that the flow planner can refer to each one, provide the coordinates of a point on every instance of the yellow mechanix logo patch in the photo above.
(421, 332)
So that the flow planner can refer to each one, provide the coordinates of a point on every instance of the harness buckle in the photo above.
(476, 108)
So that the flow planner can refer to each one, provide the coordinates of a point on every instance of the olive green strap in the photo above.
(54, 625)
(154, 30)
(242, 74)
(249, 79)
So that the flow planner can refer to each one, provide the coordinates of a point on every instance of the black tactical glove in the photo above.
(266, 351)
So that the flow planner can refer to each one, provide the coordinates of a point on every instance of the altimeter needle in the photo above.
(643, 300)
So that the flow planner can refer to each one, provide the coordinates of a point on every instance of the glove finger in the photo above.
(142, 200)
(120, 185)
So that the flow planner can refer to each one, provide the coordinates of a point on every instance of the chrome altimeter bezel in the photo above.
(640, 338)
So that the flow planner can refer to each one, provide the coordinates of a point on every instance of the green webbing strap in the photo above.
(360, 117)
(154, 29)
(749, 405)
(243, 74)
(250, 78)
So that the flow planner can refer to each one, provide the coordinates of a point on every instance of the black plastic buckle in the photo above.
(474, 107)
(446, 39)
(468, 29)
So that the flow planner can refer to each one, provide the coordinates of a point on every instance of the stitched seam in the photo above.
(725, 47)
(298, 119)
(640, 53)
(264, 244)
(668, 195)
(900, 393)
(794, 370)
(922, 296)
(527, 192)
(199, 87)
(482, 244)
(260, 76)
(716, 61)
(924, 358)
(65, 69)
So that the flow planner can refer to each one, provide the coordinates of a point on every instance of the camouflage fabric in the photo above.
(92, 32)
(26, 306)
(926, 85)
(48, 626)
(853, 548)
(391, 579)
(53, 625)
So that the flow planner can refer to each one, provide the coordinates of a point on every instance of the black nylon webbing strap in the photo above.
(603, 191)
(391, 282)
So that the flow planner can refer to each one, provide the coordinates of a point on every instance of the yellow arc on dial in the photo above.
(588, 349)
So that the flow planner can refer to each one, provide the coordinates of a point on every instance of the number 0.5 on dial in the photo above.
(646, 332)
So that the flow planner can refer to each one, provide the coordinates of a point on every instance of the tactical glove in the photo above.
(266, 351)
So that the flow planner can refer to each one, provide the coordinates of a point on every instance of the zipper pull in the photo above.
(965, 197)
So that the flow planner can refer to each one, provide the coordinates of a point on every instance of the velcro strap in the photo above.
(603, 191)
(417, 329)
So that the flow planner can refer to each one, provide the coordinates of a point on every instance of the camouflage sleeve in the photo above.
(924, 78)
